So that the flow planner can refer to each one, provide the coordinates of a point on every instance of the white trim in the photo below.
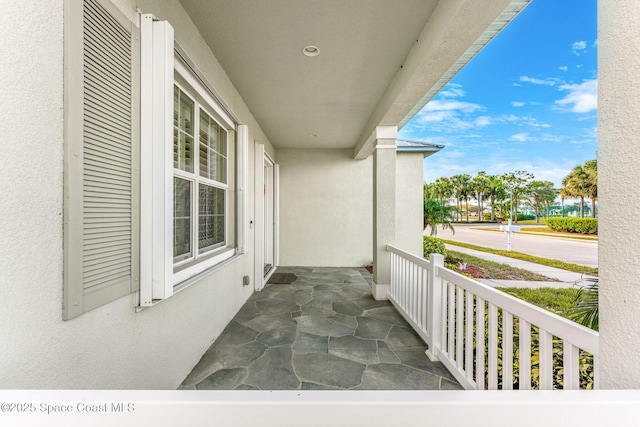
(243, 188)
(156, 233)
(384, 146)
(276, 215)
(201, 266)
(258, 167)
(187, 75)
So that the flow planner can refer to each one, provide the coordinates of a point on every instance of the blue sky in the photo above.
(527, 101)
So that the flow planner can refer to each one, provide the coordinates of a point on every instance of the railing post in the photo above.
(434, 310)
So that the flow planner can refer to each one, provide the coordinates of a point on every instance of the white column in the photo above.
(384, 207)
(619, 175)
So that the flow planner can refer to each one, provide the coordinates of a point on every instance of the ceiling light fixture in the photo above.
(314, 135)
(311, 50)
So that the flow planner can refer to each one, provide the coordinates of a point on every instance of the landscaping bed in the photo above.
(482, 269)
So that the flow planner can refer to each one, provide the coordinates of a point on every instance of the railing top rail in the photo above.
(413, 258)
(578, 335)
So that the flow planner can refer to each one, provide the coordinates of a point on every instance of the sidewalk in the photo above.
(567, 278)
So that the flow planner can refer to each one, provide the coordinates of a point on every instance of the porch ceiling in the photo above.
(372, 68)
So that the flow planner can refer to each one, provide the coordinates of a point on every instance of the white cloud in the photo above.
(447, 115)
(509, 118)
(452, 90)
(546, 82)
(582, 98)
(518, 104)
(563, 68)
(580, 45)
(519, 137)
(483, 121)
(446, 105)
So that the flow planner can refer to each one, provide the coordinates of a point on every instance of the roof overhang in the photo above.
(427, 149)
(379, 61)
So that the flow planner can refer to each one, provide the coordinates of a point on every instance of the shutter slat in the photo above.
(112, 167)
(105, 263)
(96, 175)
(115, 54)
(100, 15)
(100, 115)
(92, 253)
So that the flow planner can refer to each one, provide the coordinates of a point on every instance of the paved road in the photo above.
(581, 252)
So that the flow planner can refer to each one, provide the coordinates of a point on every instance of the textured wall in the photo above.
(111, 347)
(619, 174)
(325, 208)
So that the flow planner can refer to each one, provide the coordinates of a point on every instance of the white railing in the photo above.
(486, 338)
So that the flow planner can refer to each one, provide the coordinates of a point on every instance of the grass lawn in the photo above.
(525, 257)
(558, 301)
(494, 270)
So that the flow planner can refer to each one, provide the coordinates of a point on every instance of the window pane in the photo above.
(183, 132)
(181, 218)
(213, 149)
(211, 216)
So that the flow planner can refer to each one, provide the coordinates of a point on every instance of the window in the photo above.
(200, 181)
(193, 170)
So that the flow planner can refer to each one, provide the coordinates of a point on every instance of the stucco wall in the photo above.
(325, 208)
(111, 347)
(619, 174)
(409, 205)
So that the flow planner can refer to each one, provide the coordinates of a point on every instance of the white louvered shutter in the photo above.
(101, 163)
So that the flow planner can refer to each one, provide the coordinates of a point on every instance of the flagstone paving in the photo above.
(324, 331)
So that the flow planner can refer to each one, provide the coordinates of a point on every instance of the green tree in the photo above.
(516, 185)
(541, 195)
(579, 183)
(496, 194)
(586, 311)
(443, 189)
(460, 186)
(480, 185)
(591, 169)
(436, 212)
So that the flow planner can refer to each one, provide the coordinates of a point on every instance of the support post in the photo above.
(434, 310)
(384, 207)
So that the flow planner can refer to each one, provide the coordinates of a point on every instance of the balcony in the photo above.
(439, 330)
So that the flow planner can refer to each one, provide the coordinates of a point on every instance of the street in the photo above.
(581, 252)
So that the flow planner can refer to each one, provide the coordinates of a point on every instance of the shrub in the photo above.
(523, 217)
(433, 245)
(573, 225)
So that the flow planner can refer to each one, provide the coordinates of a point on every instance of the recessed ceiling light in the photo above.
(311, 50)
(314, 135)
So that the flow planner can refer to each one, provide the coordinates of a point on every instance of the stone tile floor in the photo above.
(324, 331)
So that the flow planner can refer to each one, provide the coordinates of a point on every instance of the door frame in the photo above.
(263, 159)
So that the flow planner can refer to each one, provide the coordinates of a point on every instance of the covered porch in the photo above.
(321, 331)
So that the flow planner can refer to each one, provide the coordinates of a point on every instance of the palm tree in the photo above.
(496, 193)
(576, 184)
(443, 189)
(586, 310)
(591, 169)
(564, 194)
(436, 212)
(480, 185)
(460, 186)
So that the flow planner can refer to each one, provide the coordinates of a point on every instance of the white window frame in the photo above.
(201, 261)
(163, 64)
